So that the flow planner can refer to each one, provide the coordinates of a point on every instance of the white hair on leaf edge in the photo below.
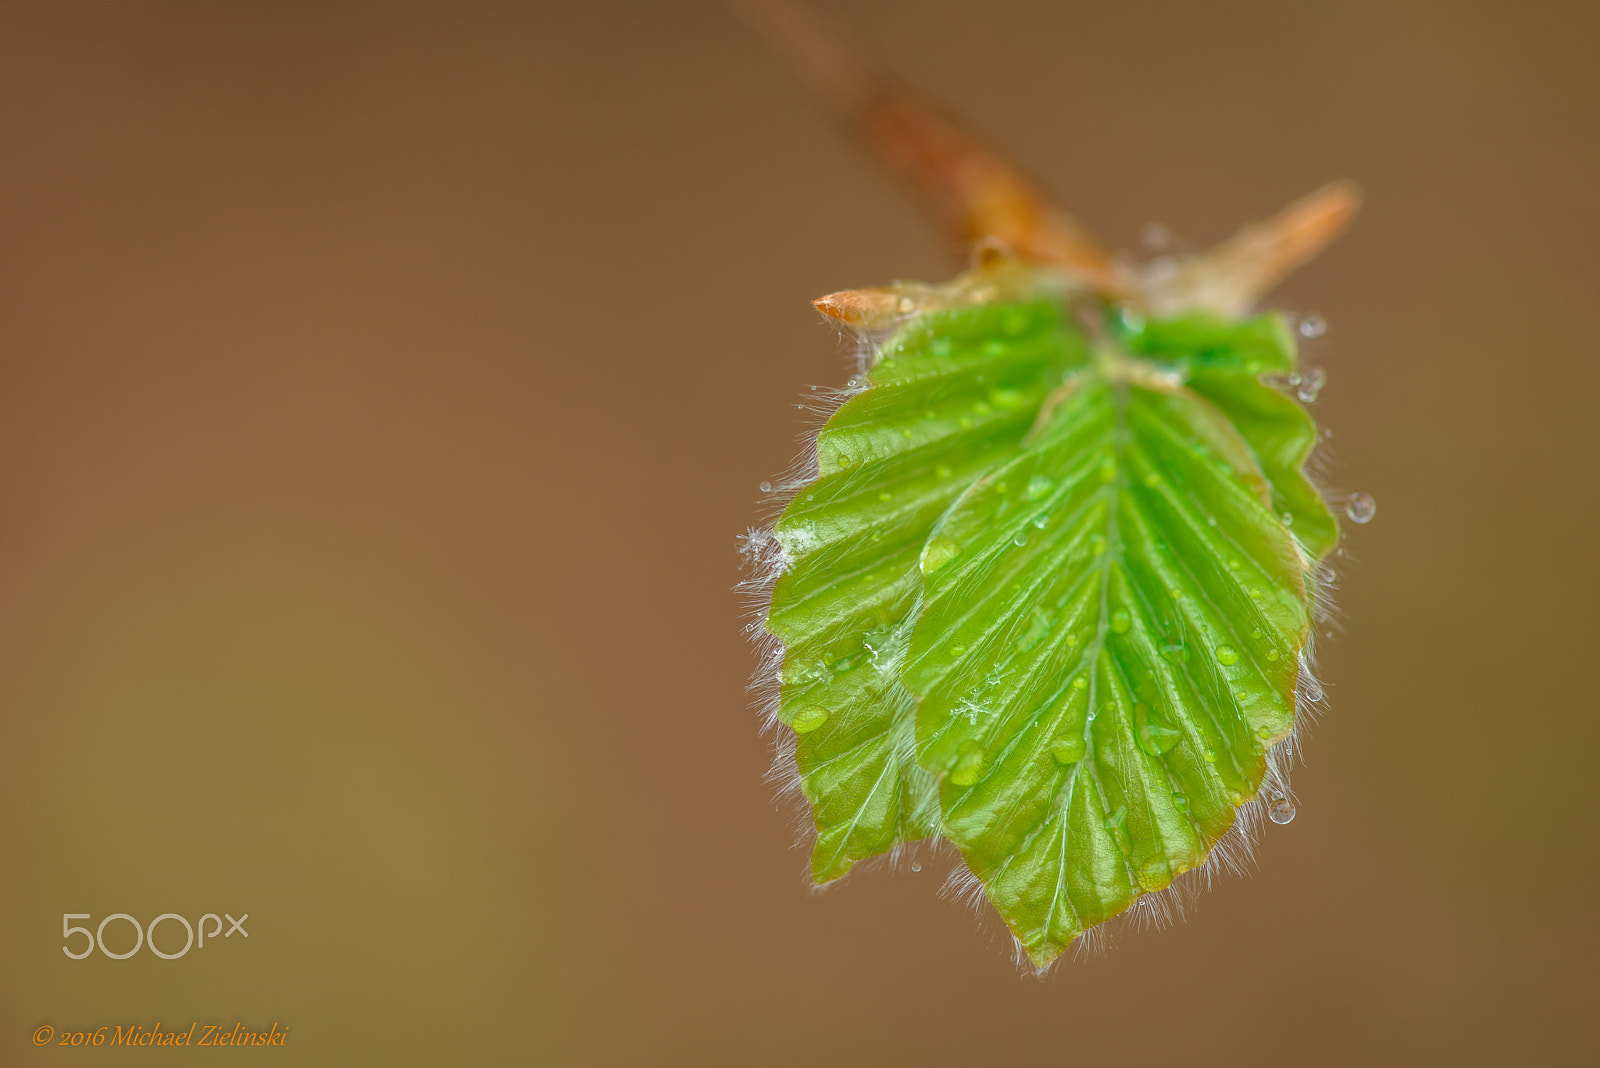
(766, 560)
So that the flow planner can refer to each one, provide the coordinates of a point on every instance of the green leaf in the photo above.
(1050, 603)
(1106, 655)
(950, 396)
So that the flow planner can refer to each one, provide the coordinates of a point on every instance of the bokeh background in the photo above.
(382, 388)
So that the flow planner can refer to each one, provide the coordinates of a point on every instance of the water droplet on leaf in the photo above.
(809, 719)
(1121, 621)
(1155, 739)
(968, 767)
(1312, 384)
(1227, 655)
(1068, 750)
(939, 552)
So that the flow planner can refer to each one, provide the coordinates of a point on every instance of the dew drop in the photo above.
(906, 305)
(939, 552)
(809, 719)
(1313, 326)
(1080, 683)
(915, 866)
(766, 487)
(1155, 739)
(1227, 655)
(1310, 687)
(967, 768)
(1020, 538)
(1211, 756)
(994, 347)
(885, 495)
(1288, 519)
(1038, 486)
(939, 346)
(1068, 750)
(943, 471)
(1281, 810)
(1121, 621)
(1312, 384)
(1360, 508)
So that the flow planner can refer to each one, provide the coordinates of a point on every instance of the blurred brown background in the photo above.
(384, 385)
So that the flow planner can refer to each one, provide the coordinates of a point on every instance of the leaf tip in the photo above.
(858, 307)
